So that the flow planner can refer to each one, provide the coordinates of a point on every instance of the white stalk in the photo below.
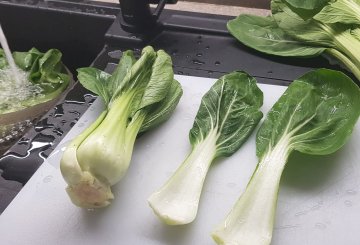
(251, 220)
(84, 189)
(349, 45)
(176, 203)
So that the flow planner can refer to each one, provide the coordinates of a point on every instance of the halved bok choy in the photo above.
(228, 114)
(315, 116)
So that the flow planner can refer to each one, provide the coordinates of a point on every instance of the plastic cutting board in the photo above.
(319, 199)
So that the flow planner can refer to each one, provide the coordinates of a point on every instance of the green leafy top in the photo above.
(331, 28)
(340, 11)
(150, 79)
(45, 70)
(306, 8)
(315, 115)
(263, 34)
(231, 107)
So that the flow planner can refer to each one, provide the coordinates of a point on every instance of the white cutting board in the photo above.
(319, 199)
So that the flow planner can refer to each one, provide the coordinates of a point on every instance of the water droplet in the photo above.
(58, 131)
(187, 56)
(187, 117)
(174, 52)
(351, 192)
(198, 62)
(47, 179)
(217, 63)
(348, 203)
(301, 213)
(59, 111)
(116, 54)
(199, 42)
(315, 207)
(210, 72)
(207, 47)
(23, 141)
(320, 226)
(180, 72)
(199, 54)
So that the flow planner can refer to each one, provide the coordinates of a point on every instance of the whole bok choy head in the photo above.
(305, 29)
(138, 96)
(316, 116)
(228, 114)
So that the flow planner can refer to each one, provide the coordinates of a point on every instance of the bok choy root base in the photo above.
(315, 116)
(139, 95)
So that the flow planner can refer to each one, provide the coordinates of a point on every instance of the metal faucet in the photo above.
(138, 17)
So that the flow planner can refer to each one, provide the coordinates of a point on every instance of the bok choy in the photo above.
(315, 115)
(139, 95)
(305, 29)
(228, 114)
(43, 78)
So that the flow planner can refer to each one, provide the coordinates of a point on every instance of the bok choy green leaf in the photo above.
(316, 116)
(228, 114)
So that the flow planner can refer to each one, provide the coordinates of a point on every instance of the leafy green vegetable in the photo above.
(228, 114)
(307, 4)
(340, 11)
(306, 8)
(330, 11)
(316, 116)
(139, 95)
(45, 71)
(331, 29)
(263, 34)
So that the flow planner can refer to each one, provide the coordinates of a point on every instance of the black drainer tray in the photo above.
(88, 32)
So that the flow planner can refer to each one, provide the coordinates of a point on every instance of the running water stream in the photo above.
(9, 56)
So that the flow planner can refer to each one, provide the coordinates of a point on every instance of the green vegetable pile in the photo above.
(139, 95)
(228, 114)
(43, 71)
(305, 28)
